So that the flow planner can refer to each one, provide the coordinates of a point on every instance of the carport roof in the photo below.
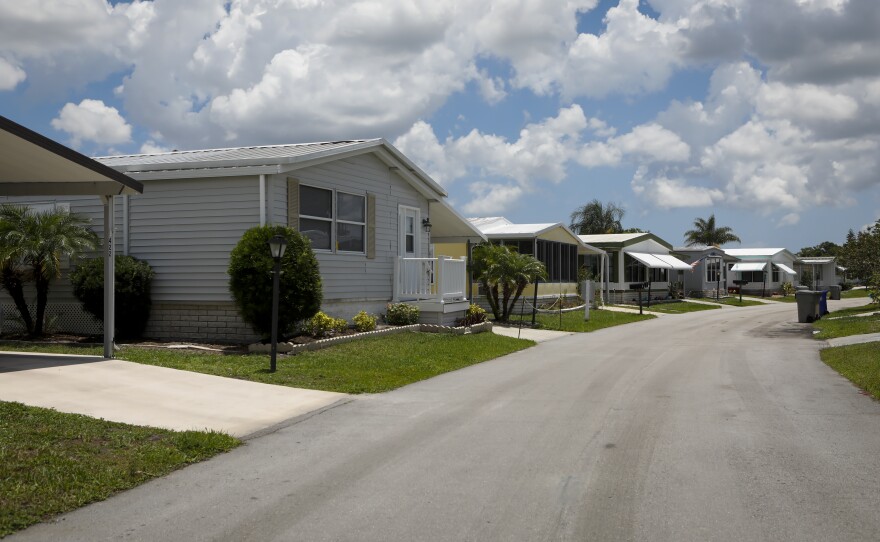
(32, 164)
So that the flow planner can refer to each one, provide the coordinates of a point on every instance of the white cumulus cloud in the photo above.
(91, 120)
(10, 74)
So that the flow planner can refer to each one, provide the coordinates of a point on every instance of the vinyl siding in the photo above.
(186, 229)
(354, 276)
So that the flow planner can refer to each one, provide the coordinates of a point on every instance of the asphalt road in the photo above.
(715, 425)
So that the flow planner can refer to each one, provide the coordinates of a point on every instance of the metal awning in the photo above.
(34, 165)
(674, 262)
(650, 260)
(749, 266)
(785, 268)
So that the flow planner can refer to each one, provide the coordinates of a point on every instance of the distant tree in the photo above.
(705, 232)
(596, 218)
(860, 254)
(32, 246)
(826, 248)
(635, 230)
(504, 274)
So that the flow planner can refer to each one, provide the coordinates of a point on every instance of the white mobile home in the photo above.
(709, 264)
(637, 258)
(820, 271)
(766, 269)
(371, 214)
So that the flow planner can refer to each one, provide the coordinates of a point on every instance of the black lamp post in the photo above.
(277, 246)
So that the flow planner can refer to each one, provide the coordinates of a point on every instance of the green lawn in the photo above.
(574, 321)
(680, 308)
(860, 363)
(854, 294)
(843, 323)
(51, 462)
(734, 301)
(371, 365)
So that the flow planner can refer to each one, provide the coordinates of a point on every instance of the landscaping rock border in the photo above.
(292, 349)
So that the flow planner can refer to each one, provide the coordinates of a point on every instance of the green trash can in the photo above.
(808, 305)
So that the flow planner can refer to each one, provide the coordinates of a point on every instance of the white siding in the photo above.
(354, 276)
(186, 229)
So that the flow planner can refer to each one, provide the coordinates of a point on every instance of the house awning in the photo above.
(674, 262)
(450, 227)
(749, 266)
(785, 268)
(650, 260)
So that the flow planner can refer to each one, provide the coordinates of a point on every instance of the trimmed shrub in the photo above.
(320, 325)
(132, 291)
(402, 314)
(474, 315)
(364, 322)
(250, 280)
(787, 289)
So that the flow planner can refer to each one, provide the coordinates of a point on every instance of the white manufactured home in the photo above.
(710, 269)
(371, 214)
(766, 269)
(821, 272)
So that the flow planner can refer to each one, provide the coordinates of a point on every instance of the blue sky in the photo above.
(766, 114)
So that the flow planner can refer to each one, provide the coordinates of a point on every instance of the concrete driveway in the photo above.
(145, 395)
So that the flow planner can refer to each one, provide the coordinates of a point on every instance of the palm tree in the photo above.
(706, 233)
(596, 218)
(32, 245)
(504, 274)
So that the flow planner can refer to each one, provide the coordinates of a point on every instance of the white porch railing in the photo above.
(440, 279)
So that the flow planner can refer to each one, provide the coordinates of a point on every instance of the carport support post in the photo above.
(109, 277)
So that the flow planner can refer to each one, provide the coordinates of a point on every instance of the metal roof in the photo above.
(268, 159)
(817, 260)
(263, 154)
(499, 225)
(610, 237)
(749, 266)
(746, 252)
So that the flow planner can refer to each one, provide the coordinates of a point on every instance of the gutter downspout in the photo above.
(125, 233)
(262, 199)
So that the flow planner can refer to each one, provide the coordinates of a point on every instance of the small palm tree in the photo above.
(32, 245)
(706, 233)
(595, 218)
(504, 275)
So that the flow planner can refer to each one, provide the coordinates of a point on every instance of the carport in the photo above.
(34, 165)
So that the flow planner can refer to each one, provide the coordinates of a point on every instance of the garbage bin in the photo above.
(823, 302)
(801, 288)
(834, 292)
(808, 305)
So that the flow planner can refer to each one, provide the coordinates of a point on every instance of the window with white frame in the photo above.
(333, 220)
(713, 270)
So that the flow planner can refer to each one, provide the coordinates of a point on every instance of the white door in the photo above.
(409, 232)
(415, 275)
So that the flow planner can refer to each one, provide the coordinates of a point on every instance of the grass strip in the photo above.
(680, 308)
(599, 319)
(832, 326)
(854, 294)
(372, 365)
(735, 302)
(860, 363)
(52, 462)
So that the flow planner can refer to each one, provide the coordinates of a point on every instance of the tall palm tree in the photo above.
(705, 232)
(32, 245)
(504, 274)
(596, 218)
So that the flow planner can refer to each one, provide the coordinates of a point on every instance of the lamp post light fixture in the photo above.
(277, 246)
(426, 224)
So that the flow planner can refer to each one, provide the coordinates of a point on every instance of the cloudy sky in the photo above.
(766, 113)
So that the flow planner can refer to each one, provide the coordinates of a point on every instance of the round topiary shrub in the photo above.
(250, 280)
(132, 292)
